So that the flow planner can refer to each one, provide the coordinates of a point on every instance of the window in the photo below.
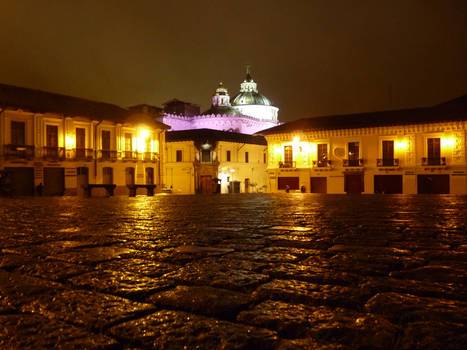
(52, 141)
(17, 133)
(434, 151)
(388, 153)
(80, 143)
(179, 155)
(246, 157)
(264, 158)
(228, 156)
(353, 153)
(322, 154)
(105, 139)
(205, 156)
(128, 142)
(288, 156)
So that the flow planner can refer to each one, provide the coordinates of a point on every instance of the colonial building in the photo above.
(212, 161)
(410, 151)
(56, 144)
(248, 112)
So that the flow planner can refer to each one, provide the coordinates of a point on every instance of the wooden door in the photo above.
(354, 183)
(318, 185)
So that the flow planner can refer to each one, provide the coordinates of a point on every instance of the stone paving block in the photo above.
(93, 255)
(52, 270)
(91, 310)
(18, 289)
(208, 272)
(180, 330)
(434, 273)
(419, 288)
(122, 283)
(308, 242)
(373, 264)
(336, 325)
(264, 256)
(314, 274)
(433, 336)
(203, 300)
(144, 267)
(25, 331)
(406, 308)
(187, 253)
(309, 344)
(294, 291)
(378, 250)
(9, 261)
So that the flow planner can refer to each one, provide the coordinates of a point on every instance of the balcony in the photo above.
(150, 156)
(440, 161)
(18, 152)
(80, 154)
(130, 155)
(286, 164)
(53, 153)
(352, 163)
(322, 163)
(387, 162)
(107, 155)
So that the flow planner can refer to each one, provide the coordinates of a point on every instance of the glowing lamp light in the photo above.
(296, 139)
(448, 142)
(141, 142)
(70, 141)
(402, 145)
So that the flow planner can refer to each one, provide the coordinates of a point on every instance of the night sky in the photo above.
(309, 57)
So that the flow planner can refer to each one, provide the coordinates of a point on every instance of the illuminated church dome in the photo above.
(221, 103)
(250, 102)
(250, 112)
(249, 94)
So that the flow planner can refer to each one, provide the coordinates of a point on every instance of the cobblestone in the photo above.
(253, 271)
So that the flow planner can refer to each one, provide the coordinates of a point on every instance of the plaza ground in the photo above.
(246, 271)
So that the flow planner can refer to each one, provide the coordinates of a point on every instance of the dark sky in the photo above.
(309, 57)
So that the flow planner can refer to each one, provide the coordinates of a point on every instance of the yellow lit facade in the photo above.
(67, 152)
(411, 158)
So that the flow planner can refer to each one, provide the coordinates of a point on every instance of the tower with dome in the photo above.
(248, 113)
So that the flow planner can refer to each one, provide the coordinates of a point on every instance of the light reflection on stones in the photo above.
(254, 271)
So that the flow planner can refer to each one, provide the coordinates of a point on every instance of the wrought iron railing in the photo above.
(287, 164)
(129, 155)
(387, 162)
(353, 162)
(80, 154)
(18, 152)
(441, 161)
(53, 153)
(150, 156)
(107, 155)
(326, 163)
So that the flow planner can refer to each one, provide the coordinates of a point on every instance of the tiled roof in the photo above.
(37, 101)
(202, 136)
(454, 110)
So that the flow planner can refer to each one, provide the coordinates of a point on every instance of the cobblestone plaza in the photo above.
(250, 271)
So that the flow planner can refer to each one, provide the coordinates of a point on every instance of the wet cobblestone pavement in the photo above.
(258, 271)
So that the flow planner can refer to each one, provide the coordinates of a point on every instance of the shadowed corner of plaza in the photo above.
(253, 271)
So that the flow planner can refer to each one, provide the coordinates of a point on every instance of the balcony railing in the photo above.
(80, 154)
(353, 162)
(286, 164)
(150, 156)
(53, 153)
(18, 152)
(388, 162)
(322, 163)
(440, 161)
(107, 155)
(129, 155)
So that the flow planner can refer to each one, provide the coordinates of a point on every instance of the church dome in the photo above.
(250, 98)
(249, 94)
